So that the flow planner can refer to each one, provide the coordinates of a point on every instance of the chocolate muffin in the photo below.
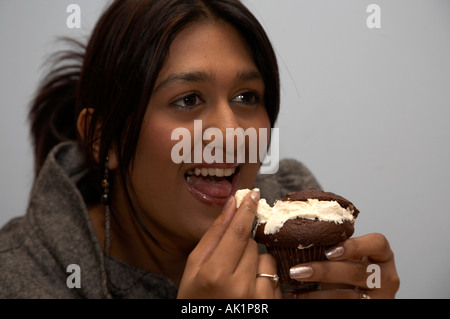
(301, 226)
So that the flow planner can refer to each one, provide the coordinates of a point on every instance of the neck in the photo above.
(130, 244)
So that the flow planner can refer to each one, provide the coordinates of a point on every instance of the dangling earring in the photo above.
(106, 200)
(105, 184)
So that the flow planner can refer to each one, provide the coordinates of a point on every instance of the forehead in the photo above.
(208, 46)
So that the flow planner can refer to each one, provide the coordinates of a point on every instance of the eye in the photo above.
(188, 102)
(247, 98)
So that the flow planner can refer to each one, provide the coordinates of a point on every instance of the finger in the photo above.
(205, 247)
(237, 235)
(246, 270)
(266, 287)
(374, 246)
(350, 272)
(248, 264)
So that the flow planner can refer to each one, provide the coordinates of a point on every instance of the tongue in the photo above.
(211, 185)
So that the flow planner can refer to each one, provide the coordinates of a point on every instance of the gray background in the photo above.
(367, 110)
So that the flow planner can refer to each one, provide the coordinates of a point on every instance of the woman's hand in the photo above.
(349, 264)
(225, 263)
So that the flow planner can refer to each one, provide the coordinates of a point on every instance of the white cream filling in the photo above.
(275, 217)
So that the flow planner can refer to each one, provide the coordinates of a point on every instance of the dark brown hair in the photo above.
(116, 74)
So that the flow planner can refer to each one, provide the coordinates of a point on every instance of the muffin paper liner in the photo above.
(288, 257)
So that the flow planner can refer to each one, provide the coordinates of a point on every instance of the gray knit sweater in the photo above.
(37, 248)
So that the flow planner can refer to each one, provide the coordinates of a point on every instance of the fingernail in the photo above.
(334, 252)
(255, 195)
(300, 272)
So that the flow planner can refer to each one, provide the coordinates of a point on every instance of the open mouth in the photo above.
(212, 185)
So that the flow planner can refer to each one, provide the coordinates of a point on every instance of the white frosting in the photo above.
(275, 217)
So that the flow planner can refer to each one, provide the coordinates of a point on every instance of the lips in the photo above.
(213, 184)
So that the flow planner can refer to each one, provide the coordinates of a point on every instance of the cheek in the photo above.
(259, 119)
(262, 124)
(250, 170)
(153, 165)
(155, 142)
(264, 120)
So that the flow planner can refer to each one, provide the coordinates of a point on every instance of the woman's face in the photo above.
(209, 75)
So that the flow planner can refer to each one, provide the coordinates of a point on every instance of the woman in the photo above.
(103, 128)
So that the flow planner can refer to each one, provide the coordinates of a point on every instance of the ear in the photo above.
(83, 123)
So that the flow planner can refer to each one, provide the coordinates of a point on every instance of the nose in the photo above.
(222, 117)
(223, 123)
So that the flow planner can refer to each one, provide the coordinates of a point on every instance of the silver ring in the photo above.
(362, 294)
(274, 278)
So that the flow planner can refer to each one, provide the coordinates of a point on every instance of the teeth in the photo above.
(219, 172)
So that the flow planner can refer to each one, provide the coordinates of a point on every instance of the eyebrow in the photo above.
(200, 76)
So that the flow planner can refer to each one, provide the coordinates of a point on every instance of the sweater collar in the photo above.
(59, 219)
